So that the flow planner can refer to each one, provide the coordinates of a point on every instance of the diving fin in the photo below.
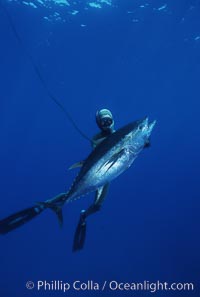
(80, 234)
(77, 165)
(19, 218)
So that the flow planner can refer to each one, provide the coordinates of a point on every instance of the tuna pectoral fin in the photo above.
(19, 218)
(114, 159)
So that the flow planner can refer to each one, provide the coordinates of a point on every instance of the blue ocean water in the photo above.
(136, 58)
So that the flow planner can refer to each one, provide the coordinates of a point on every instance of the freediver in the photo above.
(105, 122)
(113, 153)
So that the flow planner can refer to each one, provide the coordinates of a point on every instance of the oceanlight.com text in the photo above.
(111, 285)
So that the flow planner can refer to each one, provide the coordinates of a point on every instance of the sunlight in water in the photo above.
(60, 9)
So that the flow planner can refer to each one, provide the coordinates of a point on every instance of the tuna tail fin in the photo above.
(56, 205)
(59, 213)
(19, 218)
(57, 209)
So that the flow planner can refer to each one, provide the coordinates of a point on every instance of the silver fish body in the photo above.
(111, 158)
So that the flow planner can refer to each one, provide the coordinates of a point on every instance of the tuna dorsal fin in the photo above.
(77, 165)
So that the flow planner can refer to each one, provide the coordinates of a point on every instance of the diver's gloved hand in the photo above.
(80, 233)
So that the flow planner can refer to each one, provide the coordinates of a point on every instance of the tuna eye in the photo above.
(140, 127)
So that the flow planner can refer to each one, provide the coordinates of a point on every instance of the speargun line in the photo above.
(39, 75)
